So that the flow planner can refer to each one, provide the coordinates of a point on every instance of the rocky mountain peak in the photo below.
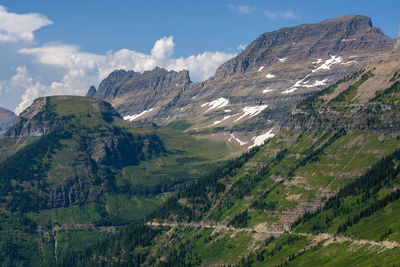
(120, 82)
(92, 91)
(7, 119)
(397, 46)
(338, 35)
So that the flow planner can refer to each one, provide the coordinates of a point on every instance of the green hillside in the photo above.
(96, 190)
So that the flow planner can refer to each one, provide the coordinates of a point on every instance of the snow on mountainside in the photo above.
(276, 71)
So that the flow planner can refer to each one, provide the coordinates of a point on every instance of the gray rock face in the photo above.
(92, 91)
(136, 91)
(32, 121)
(7, 119)
(397, 46)
(339, 35)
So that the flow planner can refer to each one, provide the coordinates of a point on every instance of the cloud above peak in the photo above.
(273, 15)
(20, 27)
(163, 48)
(78, 70)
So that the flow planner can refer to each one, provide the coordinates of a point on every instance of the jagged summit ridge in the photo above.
(121, 82)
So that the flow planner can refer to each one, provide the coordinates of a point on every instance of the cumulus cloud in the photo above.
(273, 15)
(80, 70)
(55, 68)
(20, 27)
(163, 48)
(22, 80)
(241, 9)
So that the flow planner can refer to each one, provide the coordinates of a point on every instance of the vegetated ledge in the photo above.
(373, 117)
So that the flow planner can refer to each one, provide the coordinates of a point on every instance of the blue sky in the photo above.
(72, 44)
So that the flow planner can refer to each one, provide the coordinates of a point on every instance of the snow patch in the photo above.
(259, 140)
(237, 140)
(282, 59)
(219, 103)
(251, 111)
(270, 76)
(267, 91)
(303, 83)
(349, 62)
(316, 83)
(136, 116)
(260, 69)
(347, 40)
(296, 86)
(328, 63)
(227, 110)
(318, 61)
(218, 122)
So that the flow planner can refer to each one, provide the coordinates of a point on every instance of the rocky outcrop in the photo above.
(367, 100)
(100, 159)
(36, 120)
(397, 46)
(132, 92)
(92, 91)
(121, 149)
(7, 119)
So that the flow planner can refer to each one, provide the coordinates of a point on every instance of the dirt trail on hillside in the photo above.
(328, 238)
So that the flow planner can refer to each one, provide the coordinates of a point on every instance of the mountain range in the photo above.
(273, 74)
(288, 155)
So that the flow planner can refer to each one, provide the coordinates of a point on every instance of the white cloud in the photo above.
(241, 47)
(33, 89)
(20, 27)
(241, 9)
(273, 15)
(80, 70)
(55, 68)
(163, 48)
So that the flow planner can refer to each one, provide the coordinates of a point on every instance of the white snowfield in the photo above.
(236, 139)
(251, 111)
(218, 122)
(303, 83)
(348, 40)
(315, 84)
(260, 69)
(267, 90)
(296, 86)
(325, 66)
(219, 103)
(259, 140)
(328, 63)
(319, 60)
(282, 59)
(136, 116)
(270, 76)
